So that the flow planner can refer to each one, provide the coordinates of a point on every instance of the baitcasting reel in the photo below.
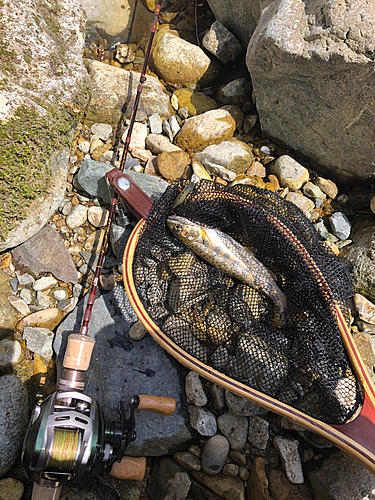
(68, 433)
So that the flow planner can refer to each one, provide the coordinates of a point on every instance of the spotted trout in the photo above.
(227, 255)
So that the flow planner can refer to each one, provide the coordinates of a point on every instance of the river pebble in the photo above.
(97, 216)
(290, 173)
(158, 143)
(311, 190)
(234, 428)
(137, 331)
(77, 217)
(327, 186)
(44, 283)
(195, 393)
(11, 489)
(365, 308)
(42, 300)
(258, 434)
(236, 92)
(202, 420)
(102, 130)
(340, 225)
(221, 43)
(10, 352)
(39, 340)
(20, 305)
(139, 135)
(302, 202)
(155, 123)
(214, 454)
(187, 460)
(291, 460)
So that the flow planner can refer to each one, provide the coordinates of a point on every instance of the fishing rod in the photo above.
(67, 432)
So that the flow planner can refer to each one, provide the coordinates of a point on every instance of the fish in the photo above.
(226, 254)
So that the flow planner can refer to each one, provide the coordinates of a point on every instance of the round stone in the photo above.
(214, 454)
(102, 130)
(137, 331)
(10, 352)
(11, 489)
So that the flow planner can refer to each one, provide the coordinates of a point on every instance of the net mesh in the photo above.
(227, 324)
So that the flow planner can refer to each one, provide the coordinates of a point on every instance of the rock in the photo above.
(324, 233)
(278, 485)
(178, 61)
(257, 488)
(10, 352)
(90, 174)
(365, 308)
(168, 481)
(313, 191)
(203, 421)
(361, 257)
(25, 278)
(67, 305)
(229, 488)
(11, 489)
(142, 154)
(242, 406)
(236, 113)
(9, 316)
(249, 122)
(20, 305)
(97, 216)
(301, 201)
(257, 169)
(77, 217)
(288, 449)
(137, 331)
(241, 21)
(364, 345)
(172, 165)
(258, 434)
(319, 69)
(84, 146)
(59, 294)
(233, 156)
(47, 318)
(340, 225)
(289, 172)
(144, 366)
(158, 143)
(217, 397)
(342, 478)
(222, 43)
(125, 53)
(42, 300)
(35, 102)
(234, 428)
(14, 418)
(195, 394)
(102, 130)
(39, 340)
(231, 470)
(327, 186)
(113, 91)
(44, 283)
(235, 92)
(187, 460)
(103, 150)
(107, 281)
(155, 123)
(196, 102)
(116, 20)
(38, 254)
(138, 137)
(212, 127)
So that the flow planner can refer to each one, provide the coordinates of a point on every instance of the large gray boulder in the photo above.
(312, 68)
(41, 94)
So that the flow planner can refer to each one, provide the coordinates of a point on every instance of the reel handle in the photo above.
(129, 468)
(157, 404)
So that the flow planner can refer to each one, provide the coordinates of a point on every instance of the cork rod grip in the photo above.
(156, 404)
(129, 468)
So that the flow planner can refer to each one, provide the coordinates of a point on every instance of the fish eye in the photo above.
(178, 228)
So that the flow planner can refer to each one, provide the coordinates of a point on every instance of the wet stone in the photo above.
(39, 340)
(257, 487)
(217, 396)
(203, 421)
(278, 484)
(187, 460)
(258, 433)
(231, 470)
(234, 428)
(243, 473)
(194, 389)
(227, 487)
(10, 352)
(214, 454)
